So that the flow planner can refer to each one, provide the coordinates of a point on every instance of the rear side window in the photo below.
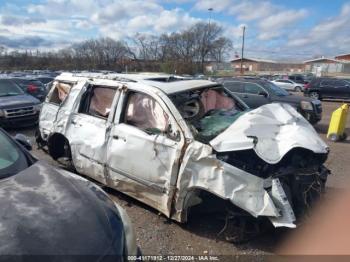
(284, 81)
(234, 86)
(97, 101)
(58, 93)
(341, 83)
(252, 88)
(327, 83)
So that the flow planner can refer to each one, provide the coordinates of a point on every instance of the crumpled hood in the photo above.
(272, 130)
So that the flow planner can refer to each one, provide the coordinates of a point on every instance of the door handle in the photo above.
(245, 96)
(75, 122)
(119, 137)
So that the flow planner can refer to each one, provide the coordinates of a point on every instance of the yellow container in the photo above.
(336, 129)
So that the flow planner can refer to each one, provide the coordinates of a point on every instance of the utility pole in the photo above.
(210, 10)
(242, 50)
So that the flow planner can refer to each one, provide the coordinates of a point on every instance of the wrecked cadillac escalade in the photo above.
(175, 144)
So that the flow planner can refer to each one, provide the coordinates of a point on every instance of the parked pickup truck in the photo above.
(175, 144)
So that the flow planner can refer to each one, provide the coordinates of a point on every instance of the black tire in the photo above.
(68, 155)
(39, 140)
(315, 95)
(298, 89)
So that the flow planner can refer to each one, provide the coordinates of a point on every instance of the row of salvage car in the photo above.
(177, 144)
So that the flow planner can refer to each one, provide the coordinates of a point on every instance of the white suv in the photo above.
(173, 144)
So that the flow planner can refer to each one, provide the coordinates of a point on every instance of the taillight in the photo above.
(307, 85)
(32, 88)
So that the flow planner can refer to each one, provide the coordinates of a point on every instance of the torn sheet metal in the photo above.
(200, 169)
(287, 217)
(272, 131)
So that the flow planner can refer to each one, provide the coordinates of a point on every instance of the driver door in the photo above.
(143, 150)
(253, 95)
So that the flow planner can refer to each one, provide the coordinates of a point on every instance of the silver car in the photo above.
(288, 85)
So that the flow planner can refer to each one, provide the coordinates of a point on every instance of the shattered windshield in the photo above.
(207, 111)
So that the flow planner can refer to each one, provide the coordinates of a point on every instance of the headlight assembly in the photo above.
(305, 105)
(2, 113)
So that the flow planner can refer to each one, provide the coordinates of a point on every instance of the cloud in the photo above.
(252, 10)
(24, 42)
(332, 32)
(274, 25)
(270, 23)
(10, 20)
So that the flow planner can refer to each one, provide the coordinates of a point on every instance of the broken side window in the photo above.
(97, 101)
(145, 113)
(208, 112)
(58, 93)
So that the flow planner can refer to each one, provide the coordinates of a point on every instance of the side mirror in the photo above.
(263, 93)
(24, 141)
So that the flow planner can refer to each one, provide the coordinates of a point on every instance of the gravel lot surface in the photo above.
(157, 235)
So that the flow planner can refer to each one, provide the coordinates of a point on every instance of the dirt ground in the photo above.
(158, 235)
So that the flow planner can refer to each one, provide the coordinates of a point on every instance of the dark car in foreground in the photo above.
(16, 107)
(32, 87)
(325, 87)
(52, 212)
(257, 92)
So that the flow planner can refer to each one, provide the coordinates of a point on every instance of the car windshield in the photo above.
(12, 159)
(8, 88)
(274, 89)
(208, 111)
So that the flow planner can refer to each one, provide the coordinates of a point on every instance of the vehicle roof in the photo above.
(175, 85)
(180, 86)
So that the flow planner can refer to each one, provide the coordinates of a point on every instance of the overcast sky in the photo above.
(294, 29)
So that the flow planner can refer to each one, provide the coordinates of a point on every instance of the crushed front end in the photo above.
(293, 184)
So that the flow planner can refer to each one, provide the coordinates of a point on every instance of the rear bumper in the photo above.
(19, 121)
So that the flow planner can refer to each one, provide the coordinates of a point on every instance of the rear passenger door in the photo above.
(56, 97)
(253, 95)
(87, 130)
(342, 89)
(328, 88)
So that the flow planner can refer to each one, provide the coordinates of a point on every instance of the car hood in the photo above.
(17, 101)
(271, 130)
(46, 211)
(292, 99)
